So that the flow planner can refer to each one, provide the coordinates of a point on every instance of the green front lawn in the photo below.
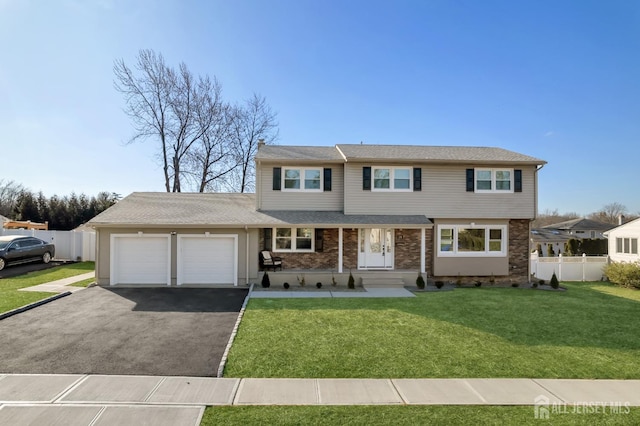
(588, 331)
(408, 415)
(11, 298)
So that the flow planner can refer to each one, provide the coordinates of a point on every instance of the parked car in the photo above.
(16, 249)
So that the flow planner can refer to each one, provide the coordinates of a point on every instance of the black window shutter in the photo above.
(518, 180)
(277, 178)
(327, 179)
(267, 239)
(366, 178)
(417, 179)
(470, 180)
(319, 240)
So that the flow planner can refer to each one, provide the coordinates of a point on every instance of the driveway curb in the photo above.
(33, 305)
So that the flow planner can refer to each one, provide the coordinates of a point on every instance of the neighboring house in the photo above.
(556, 235)
(448, 212)
(2, 221)
(623, 242)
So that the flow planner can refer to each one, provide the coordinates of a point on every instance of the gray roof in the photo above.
(581, 225)
(226, 210)
(440, 154)
(541, 235)
(299, 153)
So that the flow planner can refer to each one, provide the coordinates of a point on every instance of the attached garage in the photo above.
(140, 259)
(207, 259)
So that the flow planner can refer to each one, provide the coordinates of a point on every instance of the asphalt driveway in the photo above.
(15, 270)
(139, 331)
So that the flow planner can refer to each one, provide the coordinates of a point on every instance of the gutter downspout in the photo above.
(246, 261)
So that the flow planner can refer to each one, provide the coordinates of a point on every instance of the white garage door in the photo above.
(141, 259)
(208, 259)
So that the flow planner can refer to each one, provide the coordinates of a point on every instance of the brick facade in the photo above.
(406, 256)
(519, 249)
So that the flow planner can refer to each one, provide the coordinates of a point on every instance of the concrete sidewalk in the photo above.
(114, 400)
(60, 286)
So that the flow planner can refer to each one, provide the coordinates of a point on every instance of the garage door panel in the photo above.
(140, 260)
(207, 260)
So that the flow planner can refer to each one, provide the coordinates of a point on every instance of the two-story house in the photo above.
(448, 212)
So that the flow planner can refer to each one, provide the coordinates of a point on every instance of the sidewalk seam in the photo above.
(476, 393)
(545, 388)
(155, 388)
(402, 398)
(97, 416)
(69, 389)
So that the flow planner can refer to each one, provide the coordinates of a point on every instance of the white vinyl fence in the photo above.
(70, 245)
(569, 268)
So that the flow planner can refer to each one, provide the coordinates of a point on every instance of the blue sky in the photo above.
(558, 80)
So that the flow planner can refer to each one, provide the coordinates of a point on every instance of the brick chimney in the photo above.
(260, 143)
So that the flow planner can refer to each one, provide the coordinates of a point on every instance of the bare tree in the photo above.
(211, 159)
(148, 98)
(254, 121)
(10, 192)
(609, 213)
(549, 217)
(205, 144)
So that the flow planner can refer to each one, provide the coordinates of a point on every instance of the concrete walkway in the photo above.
(60, 286)
(113, 400)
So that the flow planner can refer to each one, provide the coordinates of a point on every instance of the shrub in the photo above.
(478, 283)
(319, 285)
(301, 281)
(352, 282)
(286, 285)
(541, 282)
(266, 283)
(553, 282)
(492, 279)
(333, 280)
(420, 282)
(534, 285)
(515, 284)
(439, 284)
(550, 251)
(624, 274)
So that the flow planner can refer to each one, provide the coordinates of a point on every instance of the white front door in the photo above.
(375, 249)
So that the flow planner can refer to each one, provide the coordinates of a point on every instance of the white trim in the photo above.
(486, 253)
(392, 172)
(113, 270)
(302, 171)
(493, 189)
(340, 250)
(180, 270)
(422, 250)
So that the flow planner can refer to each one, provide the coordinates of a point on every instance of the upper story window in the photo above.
(477, 240)
(494, 180)
(392, 179)
(302, 179)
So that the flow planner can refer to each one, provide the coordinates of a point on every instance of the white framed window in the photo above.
(627, 245)
(392, 179)
(301, 179)
(472, 240)
(293, 239)
(494, 180)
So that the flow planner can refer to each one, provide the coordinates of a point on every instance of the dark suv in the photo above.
(18, 249)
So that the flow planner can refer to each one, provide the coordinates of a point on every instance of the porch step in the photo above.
(382, 282)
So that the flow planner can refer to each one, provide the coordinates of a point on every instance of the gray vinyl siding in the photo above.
(268, 199)
(443, 195)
